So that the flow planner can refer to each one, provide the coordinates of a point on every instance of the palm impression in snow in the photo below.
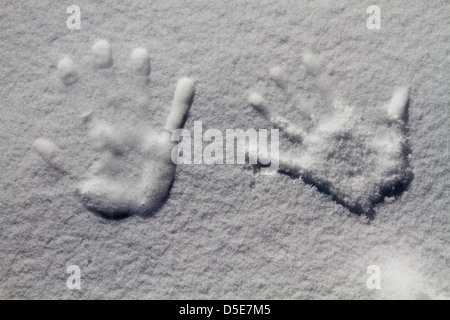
(345, 153)
(134, 171)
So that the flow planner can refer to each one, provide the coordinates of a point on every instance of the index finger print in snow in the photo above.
(133, 173)
(356, 161)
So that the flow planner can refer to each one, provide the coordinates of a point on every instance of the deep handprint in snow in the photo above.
(134, 171)
(358, 161)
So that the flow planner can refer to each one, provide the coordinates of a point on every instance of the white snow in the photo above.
(49, 152)
(362, 112)
(182, 100)
(102, 54)
(140, 61)
(67, 71)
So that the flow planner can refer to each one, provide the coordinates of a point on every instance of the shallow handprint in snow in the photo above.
(357, 160)
(134, 172)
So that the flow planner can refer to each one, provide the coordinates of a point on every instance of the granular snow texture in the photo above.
(224, 231)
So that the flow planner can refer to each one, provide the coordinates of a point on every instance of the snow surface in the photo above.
(224, 231)
(357, 162)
